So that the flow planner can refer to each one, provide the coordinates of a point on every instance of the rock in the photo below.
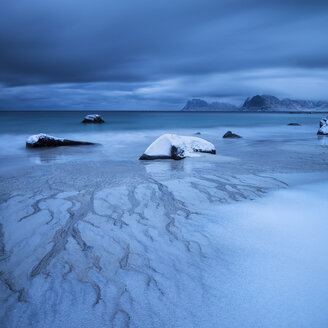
(173, 146)
(93, 118)
(323, 121)
(229, 134)
(44, 140)
(198, 133)
(323, 130)
(294, 124)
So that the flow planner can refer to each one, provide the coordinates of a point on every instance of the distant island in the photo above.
(261, 103)
(202, 105)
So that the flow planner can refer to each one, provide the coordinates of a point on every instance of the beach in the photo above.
(93, 237)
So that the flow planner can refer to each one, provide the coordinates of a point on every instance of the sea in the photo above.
(90, 236)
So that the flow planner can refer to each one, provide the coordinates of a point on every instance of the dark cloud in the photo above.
(155, 52)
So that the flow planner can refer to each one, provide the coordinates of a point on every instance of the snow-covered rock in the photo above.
(173, 146)
(44, 140)
(323, 121)
(323, 130)
(229, 134)
(93, 118)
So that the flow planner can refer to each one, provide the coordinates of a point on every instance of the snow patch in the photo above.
(92, 117)
(36, 137)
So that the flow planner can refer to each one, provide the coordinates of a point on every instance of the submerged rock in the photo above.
(323, 130)
(93, 118)
(229, 134)
(44, 140)
(294, 124)
(173, 146)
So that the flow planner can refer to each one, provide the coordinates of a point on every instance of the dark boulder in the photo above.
(177, 153)
(229, 134)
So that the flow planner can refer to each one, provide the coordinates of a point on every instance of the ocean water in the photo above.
(70, 122)
(125, 135)
(93, 237)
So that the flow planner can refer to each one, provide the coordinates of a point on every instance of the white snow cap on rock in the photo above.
(323, 130)
(36, 137)
(181, 145)
(323, 121)
(92, 117)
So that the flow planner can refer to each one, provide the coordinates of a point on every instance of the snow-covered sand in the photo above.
(162, 252)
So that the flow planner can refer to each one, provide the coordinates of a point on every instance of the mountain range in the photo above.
(202, 105)
(260, 103)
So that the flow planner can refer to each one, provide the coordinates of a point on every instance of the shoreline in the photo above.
(168, 111)
(225, 238)
(94, 236)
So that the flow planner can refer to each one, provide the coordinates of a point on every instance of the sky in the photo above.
(157, 54)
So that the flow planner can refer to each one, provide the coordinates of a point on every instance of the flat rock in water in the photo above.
(294, 124)
(229, 134)
(323, 130)
(173, 146)
(93, 118)
(44, 140)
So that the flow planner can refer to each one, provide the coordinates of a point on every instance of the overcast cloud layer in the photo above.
(143, 54)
